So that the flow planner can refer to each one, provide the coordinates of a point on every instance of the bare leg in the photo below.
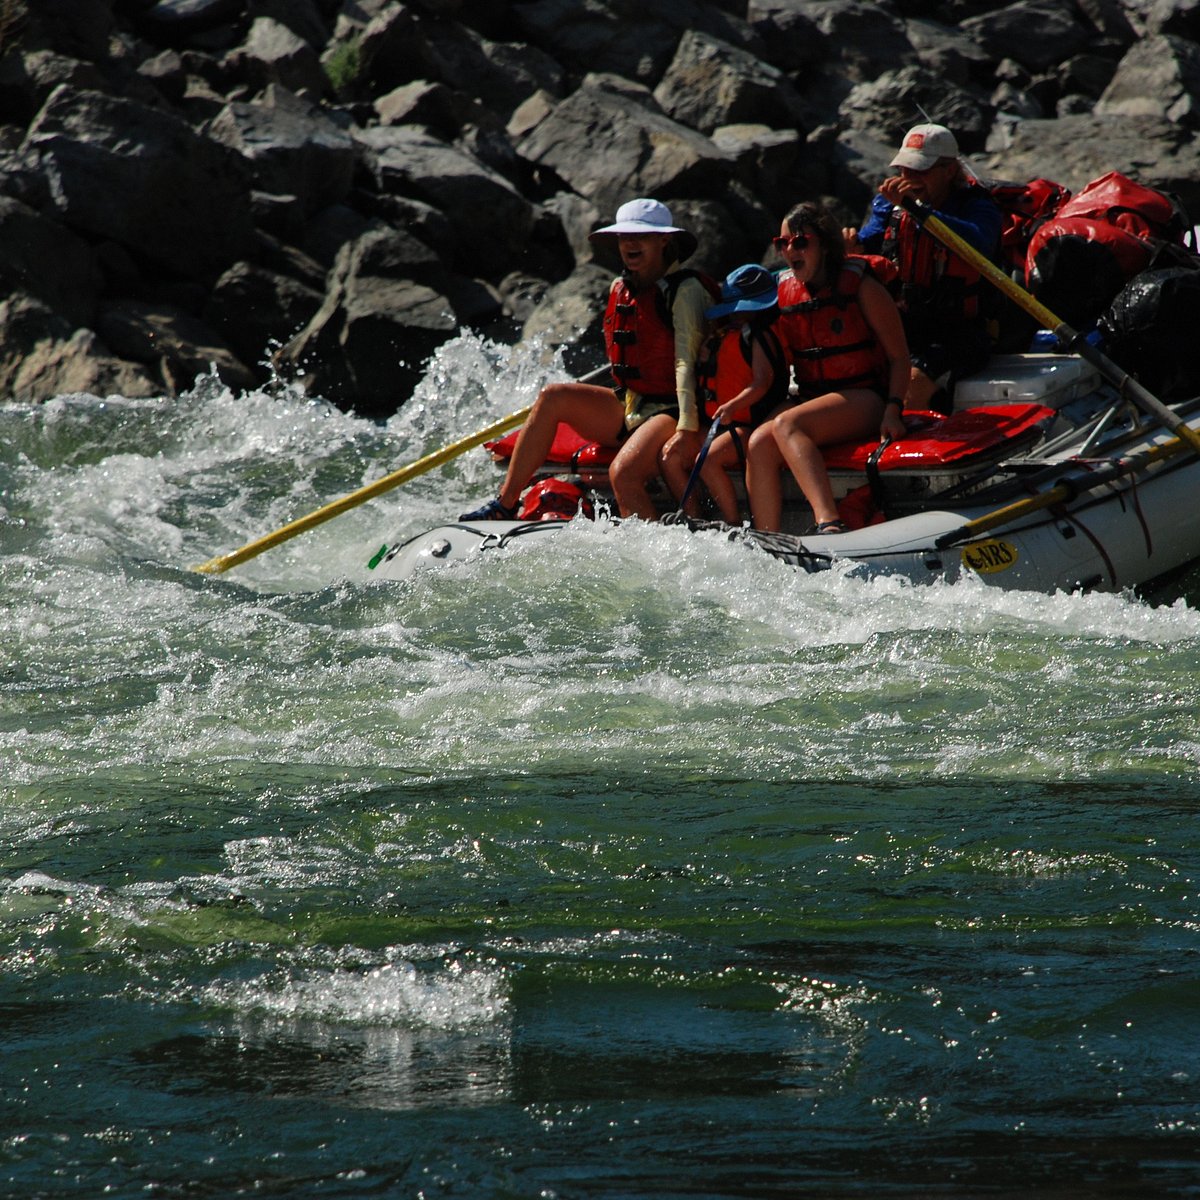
(723, 455)
(637, 463)
(676, 471)
(593, 412)
(800, 433)
(763, 464)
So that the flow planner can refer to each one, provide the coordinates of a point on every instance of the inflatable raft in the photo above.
(1045, 477)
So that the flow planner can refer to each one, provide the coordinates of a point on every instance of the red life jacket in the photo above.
(639, 333)
(935, 283)
(555, 500)
(831, 344)
(726, 367)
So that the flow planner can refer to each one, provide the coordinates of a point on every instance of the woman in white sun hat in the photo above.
(653, 327)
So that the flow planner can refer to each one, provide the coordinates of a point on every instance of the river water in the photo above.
(635, 864)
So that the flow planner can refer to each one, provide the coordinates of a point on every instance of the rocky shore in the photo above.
(324, 191)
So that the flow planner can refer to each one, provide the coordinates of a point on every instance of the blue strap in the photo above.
(708, 441)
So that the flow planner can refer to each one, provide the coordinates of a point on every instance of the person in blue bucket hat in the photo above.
(741, 379)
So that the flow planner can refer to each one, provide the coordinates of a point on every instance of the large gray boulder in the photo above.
(624, 37)
(42, 356)
(711, 83)
(273, 53)
(861, 35)
(1073, 150)
(81, 29)
(40, 257)
(946, 50)
(496, 218)
(380, 321)
(1036, 33)
(27, 79)
(433, 105)
(774, 166)
(256, 310)
(142, 177)
(517, 72)
(888, 105)
(569, 316)
(304, 18)
(1159, 77)
(293, 148)
(178, 346)
(392, 47)
(1180, 17)
(610, 142)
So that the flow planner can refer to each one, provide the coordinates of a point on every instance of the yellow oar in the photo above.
(223, 562)
(1067, 336)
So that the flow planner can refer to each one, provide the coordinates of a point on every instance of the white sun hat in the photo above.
(648, 216)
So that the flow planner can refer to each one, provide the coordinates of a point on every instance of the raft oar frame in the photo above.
(1066, 489)
(1070, 339)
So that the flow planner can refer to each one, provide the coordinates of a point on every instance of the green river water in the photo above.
(635, 865)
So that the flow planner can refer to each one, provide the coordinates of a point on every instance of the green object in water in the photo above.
(377, 557)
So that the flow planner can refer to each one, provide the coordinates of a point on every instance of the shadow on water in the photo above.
(1180, 585)
(395, 1070)
(666, 986)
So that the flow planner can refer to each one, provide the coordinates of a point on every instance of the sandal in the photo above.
(493, 510)
(830, 527)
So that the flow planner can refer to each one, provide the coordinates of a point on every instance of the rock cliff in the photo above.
(327, 190)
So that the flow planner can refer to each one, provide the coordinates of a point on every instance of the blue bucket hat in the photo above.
(749, 288)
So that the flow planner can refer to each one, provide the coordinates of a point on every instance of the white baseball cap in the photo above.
(924, 146)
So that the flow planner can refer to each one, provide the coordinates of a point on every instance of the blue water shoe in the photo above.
(493, 510)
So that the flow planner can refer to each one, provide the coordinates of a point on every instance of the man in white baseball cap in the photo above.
(924, 146)
(942, 299)
(653, 326)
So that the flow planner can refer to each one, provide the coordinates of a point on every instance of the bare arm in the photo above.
(688, 316)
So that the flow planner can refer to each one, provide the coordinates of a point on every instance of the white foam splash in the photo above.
(568, 650)
(394, 994)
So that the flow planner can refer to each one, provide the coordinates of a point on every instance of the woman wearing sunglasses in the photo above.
(850, 366)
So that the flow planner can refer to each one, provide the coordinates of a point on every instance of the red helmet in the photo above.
(554, 500)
